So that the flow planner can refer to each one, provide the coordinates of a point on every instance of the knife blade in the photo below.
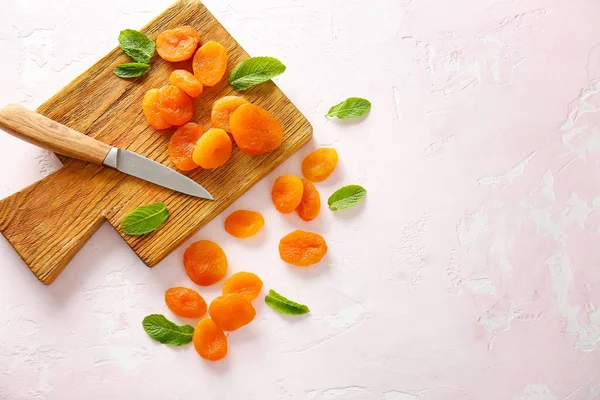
(154, 172)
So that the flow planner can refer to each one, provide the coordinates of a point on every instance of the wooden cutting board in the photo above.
(49, 221)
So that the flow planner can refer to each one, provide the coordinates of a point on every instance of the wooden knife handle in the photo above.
(36, 129)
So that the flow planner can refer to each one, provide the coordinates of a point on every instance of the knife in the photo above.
(36, 129)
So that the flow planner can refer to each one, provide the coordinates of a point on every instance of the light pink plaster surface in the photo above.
(472, 271)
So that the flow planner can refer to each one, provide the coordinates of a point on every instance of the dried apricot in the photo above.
(244, 283)
(255, 130)
(310, 205)
(222, 110)
(177, 44)
(205, 262)
(174, 106)
(244, 223)
(213, 149)
(287, 193)
(187, 82)
(318, 165)
(185, 302)
(182, 144)
(210, 340)
(231, 311)
(151, 111)
(302, 248)
(210, 63)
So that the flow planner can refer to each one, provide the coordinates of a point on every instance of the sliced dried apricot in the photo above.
(246, 284)
(244, 223)
(205, 262)
(151, 111)
(287, 193)
(174, 105)
(231, 311)
(222, 110)
(302, 248)
(210, 340)
(182, 144)
(187, 82)
(310, 205)
(185, 302)
(255, 130)
(177, 44)
(213, 149)
(318, 165)
(210, 63)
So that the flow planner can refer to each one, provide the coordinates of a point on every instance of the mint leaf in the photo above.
(145, 219)
(350, 108)
(284, 306)
(131, 70)
(137, 45)
(345, 197)
(253, 71)
(162, 330)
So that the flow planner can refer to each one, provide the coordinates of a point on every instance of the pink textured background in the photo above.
(472, 271)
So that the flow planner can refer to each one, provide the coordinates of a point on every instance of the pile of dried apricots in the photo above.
(228, 312)
(255, 131)
(205, 262)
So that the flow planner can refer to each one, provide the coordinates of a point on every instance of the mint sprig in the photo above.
(131, 70)
(164, 331)
(352, 107)
(145, 219)
(254, 71)
(345, 197)
(137, 45)
(283, 305)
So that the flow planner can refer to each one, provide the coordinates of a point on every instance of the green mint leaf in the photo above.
(284, 306)
(162, 330)
(345, 197)
(131, 70)
(350, 108)
(137, 45)
(253, 71)
(145, 219)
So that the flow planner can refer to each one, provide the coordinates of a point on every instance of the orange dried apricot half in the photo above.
(209, 340)
(231, 311)
(222, 110)
(246, 284)
(205, 262)
(151, 111)
(174, 105)
(310, 205)
(210, 63)
(319, 164)
(302, 248)
(177, 44)
(182, 144)
(213, 149)
(287, 193)
(255, 130)
(187, 82)
(185, 302)
(244, 223)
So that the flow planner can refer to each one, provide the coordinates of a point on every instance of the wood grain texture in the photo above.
(36, 129)
(49, 221)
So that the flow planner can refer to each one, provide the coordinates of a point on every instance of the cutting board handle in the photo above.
(36, 129)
